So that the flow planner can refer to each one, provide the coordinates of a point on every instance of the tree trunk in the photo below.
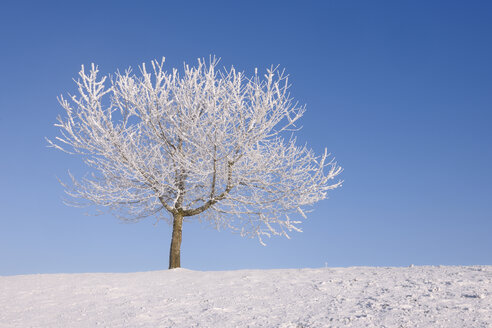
(174, 254)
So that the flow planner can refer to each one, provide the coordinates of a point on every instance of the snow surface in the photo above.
(426, 296)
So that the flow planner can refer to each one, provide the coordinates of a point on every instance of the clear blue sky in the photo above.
(399, 91)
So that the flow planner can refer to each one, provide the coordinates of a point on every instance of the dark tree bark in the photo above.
(175, 252)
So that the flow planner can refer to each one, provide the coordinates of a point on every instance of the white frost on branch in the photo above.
(209, 143)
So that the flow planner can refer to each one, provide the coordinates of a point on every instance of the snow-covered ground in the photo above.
(330, 297)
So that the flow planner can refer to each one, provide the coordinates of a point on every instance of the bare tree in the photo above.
(211, 144)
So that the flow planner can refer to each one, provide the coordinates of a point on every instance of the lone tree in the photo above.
(211, 144)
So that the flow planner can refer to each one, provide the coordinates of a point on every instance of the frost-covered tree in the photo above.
(209, 143)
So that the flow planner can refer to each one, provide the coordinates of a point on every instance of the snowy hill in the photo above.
(332, 297)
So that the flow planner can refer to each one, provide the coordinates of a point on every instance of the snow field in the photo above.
(426, 296)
